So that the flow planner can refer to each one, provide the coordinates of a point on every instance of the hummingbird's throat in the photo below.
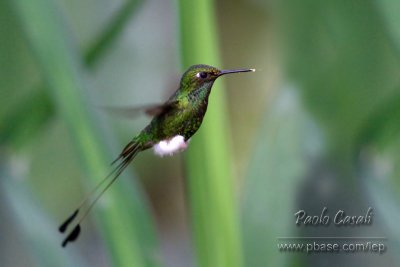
(170, 146)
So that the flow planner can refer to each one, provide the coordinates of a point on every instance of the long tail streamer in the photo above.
(126, 156)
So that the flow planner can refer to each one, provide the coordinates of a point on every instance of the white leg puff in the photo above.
(170, 146)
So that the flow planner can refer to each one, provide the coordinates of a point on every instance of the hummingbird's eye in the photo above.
(202, 75)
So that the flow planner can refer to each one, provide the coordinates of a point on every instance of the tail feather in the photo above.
(126, 156)
(132, 148)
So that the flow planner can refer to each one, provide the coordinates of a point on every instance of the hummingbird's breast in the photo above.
(184, 120)
(193, 122)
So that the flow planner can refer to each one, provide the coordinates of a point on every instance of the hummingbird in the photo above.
(169, 132)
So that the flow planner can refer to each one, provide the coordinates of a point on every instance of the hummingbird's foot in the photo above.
(170, 146)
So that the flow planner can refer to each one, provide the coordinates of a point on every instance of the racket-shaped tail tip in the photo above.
(63, 227)
(72, 236)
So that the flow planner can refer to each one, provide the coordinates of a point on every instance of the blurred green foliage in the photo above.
(209, 172)
(317, 125)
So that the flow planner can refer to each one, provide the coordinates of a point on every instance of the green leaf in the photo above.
(210, 180)
(390, 14)
(114, 28)
(342, 60)
(17, 128)
(125, 220)
(382, 125)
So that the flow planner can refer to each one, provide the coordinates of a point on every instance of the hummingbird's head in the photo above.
(200, 76)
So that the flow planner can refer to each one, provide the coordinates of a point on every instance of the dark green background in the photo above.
(316, 126)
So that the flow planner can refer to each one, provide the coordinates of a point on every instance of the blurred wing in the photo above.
(150, 110)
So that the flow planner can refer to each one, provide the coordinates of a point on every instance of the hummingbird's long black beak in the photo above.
(223, 72)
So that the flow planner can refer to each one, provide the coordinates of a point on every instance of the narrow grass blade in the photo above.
(125, 221)
(210, 180)
(19, 129)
